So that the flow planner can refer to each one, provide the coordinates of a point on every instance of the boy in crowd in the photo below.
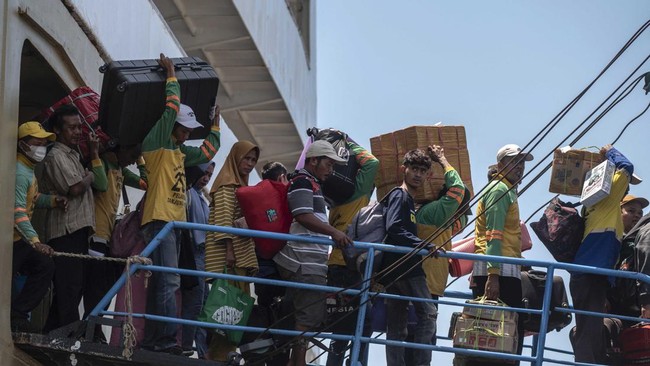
(407, 279)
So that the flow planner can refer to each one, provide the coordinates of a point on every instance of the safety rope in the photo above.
(129, 333)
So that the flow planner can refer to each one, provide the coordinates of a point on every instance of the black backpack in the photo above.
(339, 186)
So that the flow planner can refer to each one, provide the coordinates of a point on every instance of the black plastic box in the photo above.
(133, 96)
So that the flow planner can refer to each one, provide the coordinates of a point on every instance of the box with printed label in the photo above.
(598, 183)
(487, 335)
(569, 169)
(390, 148)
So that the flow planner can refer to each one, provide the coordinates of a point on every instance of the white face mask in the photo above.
(36, 153)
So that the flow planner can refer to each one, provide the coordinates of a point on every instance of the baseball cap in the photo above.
(512, 150)
(34, 129)
(324, 148)
(630, 198)
(187, 118)
(635, 179)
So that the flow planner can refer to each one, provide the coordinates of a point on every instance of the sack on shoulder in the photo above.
(127, 234)
(560, 229)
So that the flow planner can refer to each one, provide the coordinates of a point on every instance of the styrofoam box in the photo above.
(598, 183)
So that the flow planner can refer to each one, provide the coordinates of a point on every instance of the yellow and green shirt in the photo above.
(166, 162)
(498, 231)
(106, 203)
(27, 198)
(341, 215)
(433, 226)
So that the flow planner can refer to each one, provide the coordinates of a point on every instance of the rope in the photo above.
(129, 333)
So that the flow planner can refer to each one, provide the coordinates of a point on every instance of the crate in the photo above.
(569, 169)
(390, 149)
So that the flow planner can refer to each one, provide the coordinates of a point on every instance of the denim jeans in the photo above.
(396, 324)
(161, 293)
(192, 299)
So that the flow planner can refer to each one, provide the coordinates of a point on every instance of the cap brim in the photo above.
(44, 135)
(635, 180)
(190, 124)
(337, 159)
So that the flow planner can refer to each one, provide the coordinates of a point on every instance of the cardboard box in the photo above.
(598, 183)
(486, 335)
(569, 169)
(489, 314)
(390, 149)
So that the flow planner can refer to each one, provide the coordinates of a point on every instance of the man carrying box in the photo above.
(600, 247)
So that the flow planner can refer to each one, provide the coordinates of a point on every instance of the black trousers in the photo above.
(68, 279)
(510, 293)
(39, 270)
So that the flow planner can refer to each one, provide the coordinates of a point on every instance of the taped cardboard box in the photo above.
(570, 166)
(598, 183)
(486, 335)
(390, 149)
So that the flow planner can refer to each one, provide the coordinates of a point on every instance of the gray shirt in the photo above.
(60, 170)
(305, 197)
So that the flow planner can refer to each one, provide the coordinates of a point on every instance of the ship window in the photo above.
(40, 86)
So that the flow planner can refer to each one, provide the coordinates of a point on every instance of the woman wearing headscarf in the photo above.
(234, 253)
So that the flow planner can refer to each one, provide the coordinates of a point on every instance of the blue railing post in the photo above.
(146, 252)
(546, 312)
(363, 308)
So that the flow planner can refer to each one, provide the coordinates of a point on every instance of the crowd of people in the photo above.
(76, 206)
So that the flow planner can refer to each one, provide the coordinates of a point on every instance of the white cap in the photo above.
(635, 179)
(512, 150)
(187, 118)
(323, 148)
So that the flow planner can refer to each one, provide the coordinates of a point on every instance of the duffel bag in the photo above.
(560, 230)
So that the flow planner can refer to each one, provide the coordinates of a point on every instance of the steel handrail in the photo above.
(365, 292)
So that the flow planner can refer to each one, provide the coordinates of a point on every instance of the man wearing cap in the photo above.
(498, 232)
(601, 245)
(166, 156)
(62, 173)
(30, 256)
(307, 262)
(623, 298)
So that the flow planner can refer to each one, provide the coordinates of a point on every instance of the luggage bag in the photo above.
(532, 289)
(635, 344)
(340, 185)
(133, 96)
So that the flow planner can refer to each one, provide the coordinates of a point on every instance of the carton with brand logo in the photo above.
(486, 335)
(569, 169)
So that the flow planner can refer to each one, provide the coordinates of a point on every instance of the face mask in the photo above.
(36, 153)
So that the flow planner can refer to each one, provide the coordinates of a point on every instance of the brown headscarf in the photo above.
(229, 173)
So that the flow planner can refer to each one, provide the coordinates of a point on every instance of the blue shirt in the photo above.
(198, 213)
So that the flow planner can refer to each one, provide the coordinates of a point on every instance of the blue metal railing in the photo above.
(357, 339)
